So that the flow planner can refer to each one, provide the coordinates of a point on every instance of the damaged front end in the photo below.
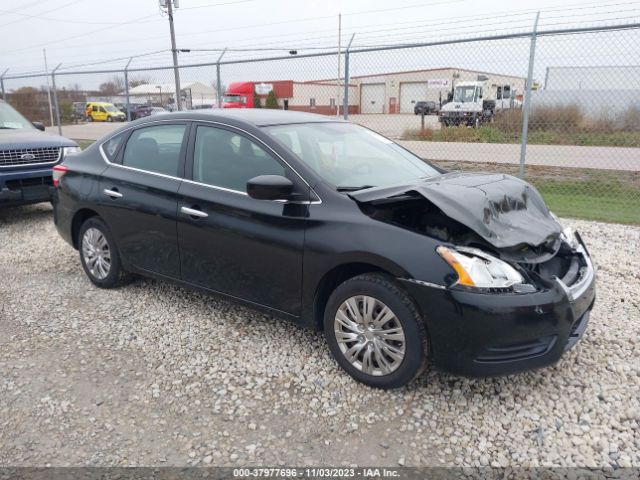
(520, 289)
(489, 224)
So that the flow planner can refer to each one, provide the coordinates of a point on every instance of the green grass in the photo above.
(493, 134)
(591, 199)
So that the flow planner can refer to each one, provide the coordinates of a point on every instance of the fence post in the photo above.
(527, 97)
(126, 89)
(345, 96)
(218, 85)
(2, 84)
(55, 98)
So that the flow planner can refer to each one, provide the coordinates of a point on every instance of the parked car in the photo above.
(335, 227)
(425, 107)
(132, 107)
(27, 155)
(103, 112)
(79, 109)
(146, 111)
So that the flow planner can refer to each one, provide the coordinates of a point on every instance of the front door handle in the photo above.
(112, 193)
(192, 212)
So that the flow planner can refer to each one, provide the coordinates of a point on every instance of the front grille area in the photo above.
(29, 156)
(520, 351)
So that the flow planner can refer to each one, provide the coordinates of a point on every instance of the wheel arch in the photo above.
(79, 218)
(334, 277)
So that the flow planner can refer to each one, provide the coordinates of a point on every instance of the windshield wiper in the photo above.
(7, 128)
(353, 189)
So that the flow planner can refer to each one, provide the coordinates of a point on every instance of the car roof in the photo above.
(258, 117)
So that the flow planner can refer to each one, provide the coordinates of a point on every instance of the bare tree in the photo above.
(113, 86)
(139, 80)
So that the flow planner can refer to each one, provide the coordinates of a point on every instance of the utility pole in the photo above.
(55, 98)
(126, 89)
(4, 95)
(169, 4)
(339, 60)
(46, 74)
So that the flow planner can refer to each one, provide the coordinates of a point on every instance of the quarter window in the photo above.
(110, 147)
(223, 158)
(155, 149)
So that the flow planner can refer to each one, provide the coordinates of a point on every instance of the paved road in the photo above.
(605, 158)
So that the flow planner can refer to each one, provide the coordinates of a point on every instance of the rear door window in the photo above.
(155, 149)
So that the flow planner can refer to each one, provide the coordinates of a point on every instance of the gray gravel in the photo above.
(153, 374)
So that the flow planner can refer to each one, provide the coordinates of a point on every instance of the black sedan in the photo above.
(336, 228)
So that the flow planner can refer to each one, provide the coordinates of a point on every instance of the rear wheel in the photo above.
(99, 256)
(90, 118)
(375, 332)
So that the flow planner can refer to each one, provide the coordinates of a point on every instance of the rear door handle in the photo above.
(192, 212)
(112, 193)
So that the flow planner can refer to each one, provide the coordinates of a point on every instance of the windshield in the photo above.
(110, 108)
(464, 94)
(11, 119)
(351, 157)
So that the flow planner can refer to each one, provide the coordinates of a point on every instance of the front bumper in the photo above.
(486, 334)
(25, 187)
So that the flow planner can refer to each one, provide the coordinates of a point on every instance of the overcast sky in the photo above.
(105, 33)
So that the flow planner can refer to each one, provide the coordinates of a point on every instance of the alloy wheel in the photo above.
(96, 253)
(369, 335)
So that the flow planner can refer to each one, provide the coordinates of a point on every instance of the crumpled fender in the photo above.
(502, 209)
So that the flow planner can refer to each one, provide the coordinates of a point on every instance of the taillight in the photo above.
(58, 173)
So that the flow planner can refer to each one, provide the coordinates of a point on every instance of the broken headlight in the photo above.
(476, 268)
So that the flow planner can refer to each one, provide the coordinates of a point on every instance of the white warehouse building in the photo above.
(398, 92)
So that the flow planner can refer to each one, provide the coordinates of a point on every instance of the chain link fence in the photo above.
(559, 107)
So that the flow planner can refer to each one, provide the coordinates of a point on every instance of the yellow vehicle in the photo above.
(103, 112)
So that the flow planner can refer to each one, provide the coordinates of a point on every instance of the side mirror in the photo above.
(269, 187)
(38, 125)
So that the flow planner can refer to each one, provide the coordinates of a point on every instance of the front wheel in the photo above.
(109, 119)
(99, 256)
(375, 332)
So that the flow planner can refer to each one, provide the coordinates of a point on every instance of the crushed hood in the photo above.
(505, 211)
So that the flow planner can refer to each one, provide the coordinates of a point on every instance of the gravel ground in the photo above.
(152, 374)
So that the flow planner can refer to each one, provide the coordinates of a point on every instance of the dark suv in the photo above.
(27, 156)
(425, 107)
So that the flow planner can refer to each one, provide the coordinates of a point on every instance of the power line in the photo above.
(25, 7)
(42, 13)
(304, 43)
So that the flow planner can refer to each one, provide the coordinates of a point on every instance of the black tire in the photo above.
(90, 118)
(109, 119)
(116, 276)
(385, 289)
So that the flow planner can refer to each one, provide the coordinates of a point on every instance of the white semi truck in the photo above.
(476, 102)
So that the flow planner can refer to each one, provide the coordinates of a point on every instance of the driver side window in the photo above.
(226, 159)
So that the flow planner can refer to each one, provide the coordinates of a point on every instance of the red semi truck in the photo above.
(239, 95)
